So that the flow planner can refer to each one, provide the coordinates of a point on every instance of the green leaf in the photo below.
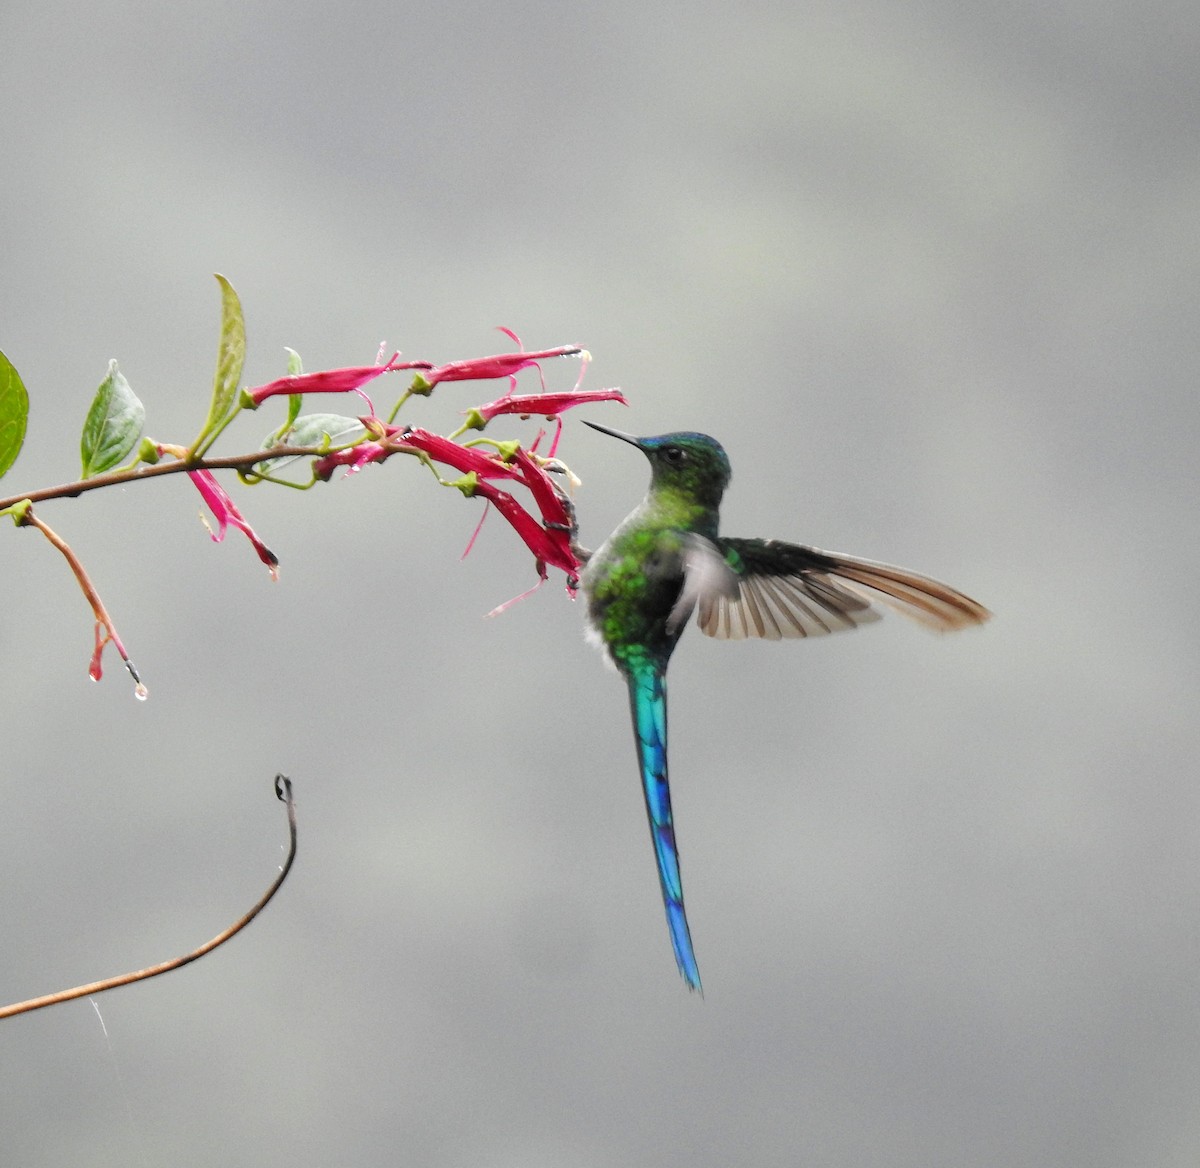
(295, 400)
(311, 430)
(14, 413)
(231, 355)
(315, 429)
(113, 426)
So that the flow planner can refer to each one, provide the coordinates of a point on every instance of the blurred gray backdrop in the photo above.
(929, 271)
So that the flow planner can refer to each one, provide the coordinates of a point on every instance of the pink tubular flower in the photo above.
(402, 440)
(225, 512)
(551, 505)
(558, 524)
(548, 539)
(499, 365)
(547, 548)
(467, 459)
(354, 458)
(329, 380)
(547, 405)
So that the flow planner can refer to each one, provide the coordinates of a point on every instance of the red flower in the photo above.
(329, 380)
(550, 501)
(549, 540)
(225, 512)
(546, 404)
(500, 365)
(550, 405)
(468, 459)
(547, 548)
(353, 457)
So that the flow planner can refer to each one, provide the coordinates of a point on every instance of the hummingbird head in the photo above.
(691, 464)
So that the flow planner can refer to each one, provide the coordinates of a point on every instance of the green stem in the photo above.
(205, 441)
(397, 407)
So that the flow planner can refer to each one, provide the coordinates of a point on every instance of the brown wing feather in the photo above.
(786, 590)
(934, 604)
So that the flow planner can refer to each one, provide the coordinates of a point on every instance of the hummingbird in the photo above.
(668, 560)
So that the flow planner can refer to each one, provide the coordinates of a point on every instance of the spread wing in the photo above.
(785, 590)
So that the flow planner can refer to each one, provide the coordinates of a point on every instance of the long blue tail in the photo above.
(648, 702)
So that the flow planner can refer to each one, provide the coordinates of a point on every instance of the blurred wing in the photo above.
(707, 577)
(785, 590)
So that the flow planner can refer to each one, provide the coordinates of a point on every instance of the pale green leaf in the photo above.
(295, 400)
(231, 355)
(311, 430)
(113, 425)
(318, 429)
(14, 413)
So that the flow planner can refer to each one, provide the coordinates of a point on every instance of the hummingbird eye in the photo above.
(674, 454)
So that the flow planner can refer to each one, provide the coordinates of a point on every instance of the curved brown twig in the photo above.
(137, 474)
(283, 790)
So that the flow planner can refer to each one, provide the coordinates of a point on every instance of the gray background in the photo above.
(929, 272)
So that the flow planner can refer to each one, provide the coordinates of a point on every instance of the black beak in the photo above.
(633, 441)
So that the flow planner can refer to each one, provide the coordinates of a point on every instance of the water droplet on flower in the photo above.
(141, 692)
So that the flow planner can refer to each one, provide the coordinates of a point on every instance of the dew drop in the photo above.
(141, 692)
